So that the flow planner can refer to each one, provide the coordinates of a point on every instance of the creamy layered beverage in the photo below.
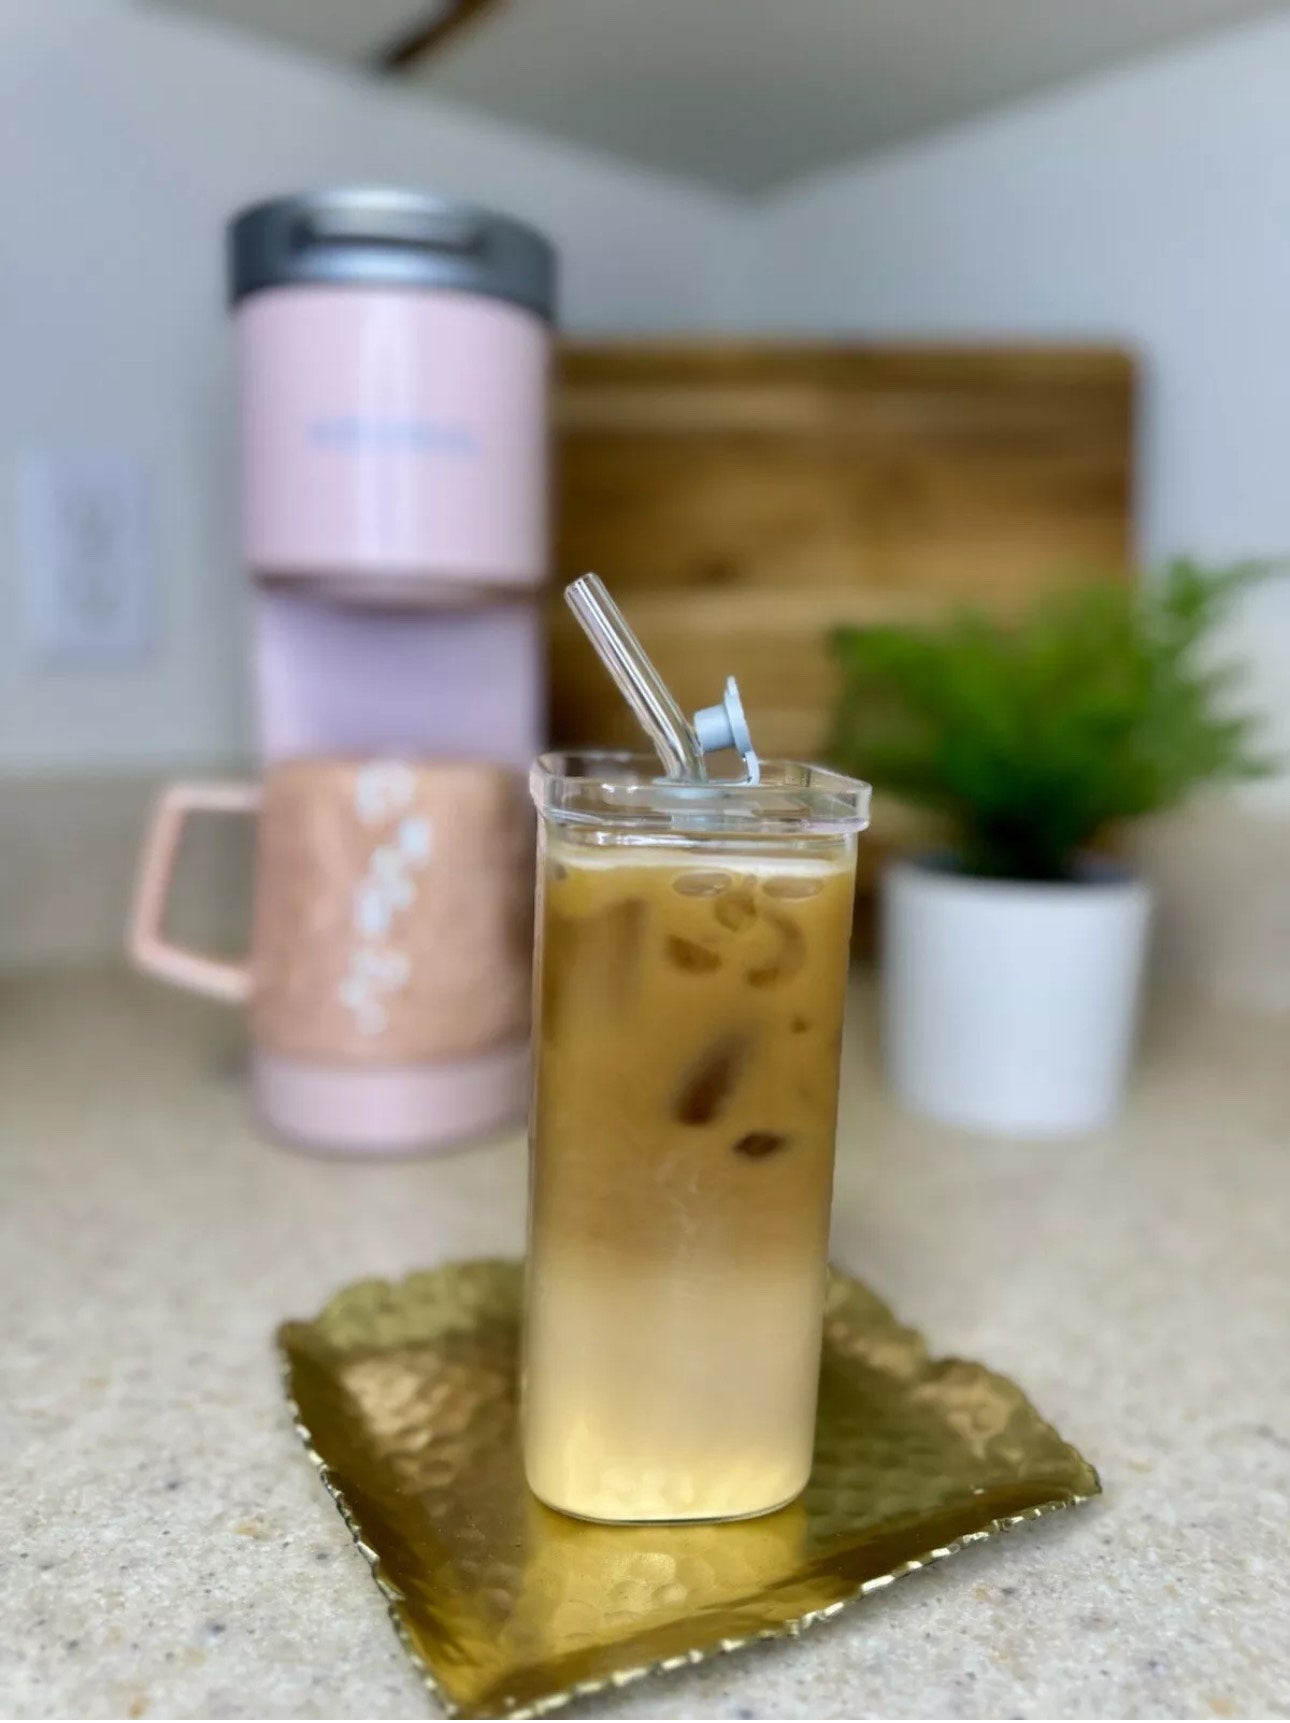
(692, 955)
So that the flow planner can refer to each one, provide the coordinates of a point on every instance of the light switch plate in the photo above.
(86, 529)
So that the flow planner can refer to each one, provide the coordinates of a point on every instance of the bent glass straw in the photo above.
(638, 681)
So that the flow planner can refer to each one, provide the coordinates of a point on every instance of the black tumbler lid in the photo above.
(367, 237)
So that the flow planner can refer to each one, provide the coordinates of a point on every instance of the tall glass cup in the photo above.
(692, 944)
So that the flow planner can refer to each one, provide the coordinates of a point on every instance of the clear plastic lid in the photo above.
(622, 792)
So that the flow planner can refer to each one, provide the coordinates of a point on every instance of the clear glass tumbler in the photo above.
(692, 945)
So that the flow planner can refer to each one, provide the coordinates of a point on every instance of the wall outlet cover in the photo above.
(87, 540)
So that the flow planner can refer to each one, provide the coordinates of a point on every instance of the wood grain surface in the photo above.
(741, 501)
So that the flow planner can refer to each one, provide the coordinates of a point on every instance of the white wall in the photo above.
(1150, 206)
(128, 138)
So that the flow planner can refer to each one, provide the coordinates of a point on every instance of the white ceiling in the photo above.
(353, 30)
(744, 94)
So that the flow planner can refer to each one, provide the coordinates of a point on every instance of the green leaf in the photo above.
(1098, 706)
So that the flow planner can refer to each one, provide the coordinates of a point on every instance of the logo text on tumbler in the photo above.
(347, 432)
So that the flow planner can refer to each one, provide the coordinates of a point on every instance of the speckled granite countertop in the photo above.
(169, 1552)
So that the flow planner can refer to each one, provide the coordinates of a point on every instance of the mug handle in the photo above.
(148, 947)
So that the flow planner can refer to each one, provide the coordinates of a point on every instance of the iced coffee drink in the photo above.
(692, 954)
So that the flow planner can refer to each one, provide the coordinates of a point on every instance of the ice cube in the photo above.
(756, 1145)
(591, 964)
(793, 886)
(712, 1079)
(788, 958)
(736, 910)
(702, 882)
(608, 952)
(689, 955)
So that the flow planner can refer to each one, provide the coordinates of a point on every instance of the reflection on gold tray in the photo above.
(406, 1397)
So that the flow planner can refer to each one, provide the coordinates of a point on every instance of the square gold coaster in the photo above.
(406, 1397)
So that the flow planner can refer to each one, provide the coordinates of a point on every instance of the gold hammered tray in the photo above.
(405, 1395)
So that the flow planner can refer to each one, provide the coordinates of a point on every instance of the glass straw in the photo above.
(638, 681)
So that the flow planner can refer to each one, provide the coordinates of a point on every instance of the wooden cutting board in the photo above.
(742, 500)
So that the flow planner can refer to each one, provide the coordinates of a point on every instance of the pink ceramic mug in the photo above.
(388, 975)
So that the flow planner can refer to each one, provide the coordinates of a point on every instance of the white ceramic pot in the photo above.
(1010, 1006)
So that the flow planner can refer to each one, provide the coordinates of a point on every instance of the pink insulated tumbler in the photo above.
(392, 370)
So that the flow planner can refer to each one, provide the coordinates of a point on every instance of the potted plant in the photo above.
(1012, 959)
